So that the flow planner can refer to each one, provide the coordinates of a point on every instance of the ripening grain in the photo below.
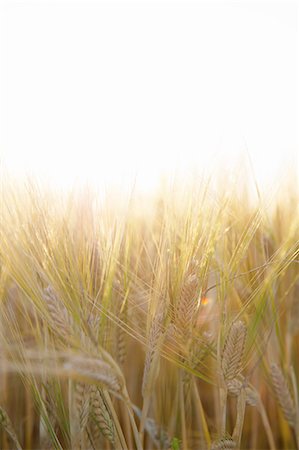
(151, 324)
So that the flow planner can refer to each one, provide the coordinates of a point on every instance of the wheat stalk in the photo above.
(294, 312)
(241, 406)
(6, 424)
(157, 434)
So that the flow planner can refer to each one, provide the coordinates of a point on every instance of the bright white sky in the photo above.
(108, 90)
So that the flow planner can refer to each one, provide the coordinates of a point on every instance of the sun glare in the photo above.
(125, 92)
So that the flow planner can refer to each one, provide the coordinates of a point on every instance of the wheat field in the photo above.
(168, 321)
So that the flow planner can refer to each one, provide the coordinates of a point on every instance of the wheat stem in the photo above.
(266, 424)
(137, 438)
(201, 414)
(241, 406)
(223, 401)
(183, 412)
(6, 424)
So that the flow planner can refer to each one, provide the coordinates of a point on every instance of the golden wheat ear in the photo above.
(225, 443)
(233, 351)
(152, 355)
(82, 395)
(283, 394)
(94, 370)
(59, 316)
(102, 420)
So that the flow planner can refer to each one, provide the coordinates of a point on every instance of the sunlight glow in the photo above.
(113, 92)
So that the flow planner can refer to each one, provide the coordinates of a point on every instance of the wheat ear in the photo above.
(283, 395)
(188, 305)
(223, 444)
(49, 407)
(232, 355)
(101, 415)
(94, 370)
(82, 405)
(152, 353)
(60, 318)
(233, 351)
(151, 366)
